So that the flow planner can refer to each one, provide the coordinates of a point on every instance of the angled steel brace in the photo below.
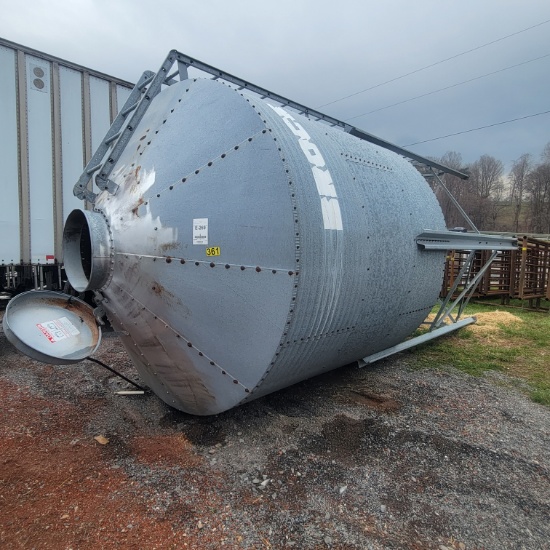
(413, 342)
(465, 269)
(464, 297)
(453, 200)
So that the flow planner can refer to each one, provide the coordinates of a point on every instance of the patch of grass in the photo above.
(518, 346)
(541, 395)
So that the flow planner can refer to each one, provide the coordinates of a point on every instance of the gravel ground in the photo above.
(388, 456)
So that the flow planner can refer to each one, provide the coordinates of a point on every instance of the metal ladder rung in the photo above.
(171, 76)
(146, 82)
(110, 140)
(129, 109)
(93, 168)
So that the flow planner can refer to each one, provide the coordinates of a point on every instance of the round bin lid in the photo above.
(52, 327)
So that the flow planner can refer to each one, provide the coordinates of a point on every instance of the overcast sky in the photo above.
(317, 51)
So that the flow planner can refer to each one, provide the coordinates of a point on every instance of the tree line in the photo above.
(518, 201)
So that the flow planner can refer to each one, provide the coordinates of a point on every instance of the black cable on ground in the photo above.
(117, 373)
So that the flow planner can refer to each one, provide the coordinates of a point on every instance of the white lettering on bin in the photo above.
(330, 207)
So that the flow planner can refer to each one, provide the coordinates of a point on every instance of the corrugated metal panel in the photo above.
(9, 188)
(71, 135)
(39, 120)
(122, 94)
(100, 106)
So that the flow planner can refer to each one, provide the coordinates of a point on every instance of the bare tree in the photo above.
(538, 187)
(485, 180)
(518, 180)
(455, 185)
(485, 174)
(496, 204)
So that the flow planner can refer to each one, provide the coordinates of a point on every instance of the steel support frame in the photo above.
(115, 134)
(437, 327)
(150, 84)
(461, 301)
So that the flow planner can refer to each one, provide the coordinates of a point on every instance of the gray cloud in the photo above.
(318, 51)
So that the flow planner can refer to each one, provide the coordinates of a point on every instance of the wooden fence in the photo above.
(523, 273)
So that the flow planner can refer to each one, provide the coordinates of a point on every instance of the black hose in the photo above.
(117, 373)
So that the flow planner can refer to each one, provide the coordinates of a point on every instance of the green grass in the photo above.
(519, 349)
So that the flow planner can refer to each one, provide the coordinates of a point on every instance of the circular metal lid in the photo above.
(51, 327)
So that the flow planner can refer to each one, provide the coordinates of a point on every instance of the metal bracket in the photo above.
(99, 313)
(86, 195)
(106, 185)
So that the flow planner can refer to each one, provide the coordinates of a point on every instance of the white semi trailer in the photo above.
(53, 116)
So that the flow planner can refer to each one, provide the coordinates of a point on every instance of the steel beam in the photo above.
(453, 240)
(416, 341)
(24, 186)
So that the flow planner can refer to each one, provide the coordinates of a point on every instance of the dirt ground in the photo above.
(389, 456)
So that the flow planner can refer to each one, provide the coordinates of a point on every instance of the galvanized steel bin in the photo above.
(248, 248)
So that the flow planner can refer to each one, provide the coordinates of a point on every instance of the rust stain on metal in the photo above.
(132, 180)
(169, 246)
(168, 297)
(136, 207)
(157, 288)
(68, 305)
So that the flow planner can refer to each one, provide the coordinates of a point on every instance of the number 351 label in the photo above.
(213, 251)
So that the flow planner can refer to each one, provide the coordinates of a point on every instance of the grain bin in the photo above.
(239, 247)
(248, 248)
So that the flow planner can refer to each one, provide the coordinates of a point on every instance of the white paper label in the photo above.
(200, 231)
(58, 329)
